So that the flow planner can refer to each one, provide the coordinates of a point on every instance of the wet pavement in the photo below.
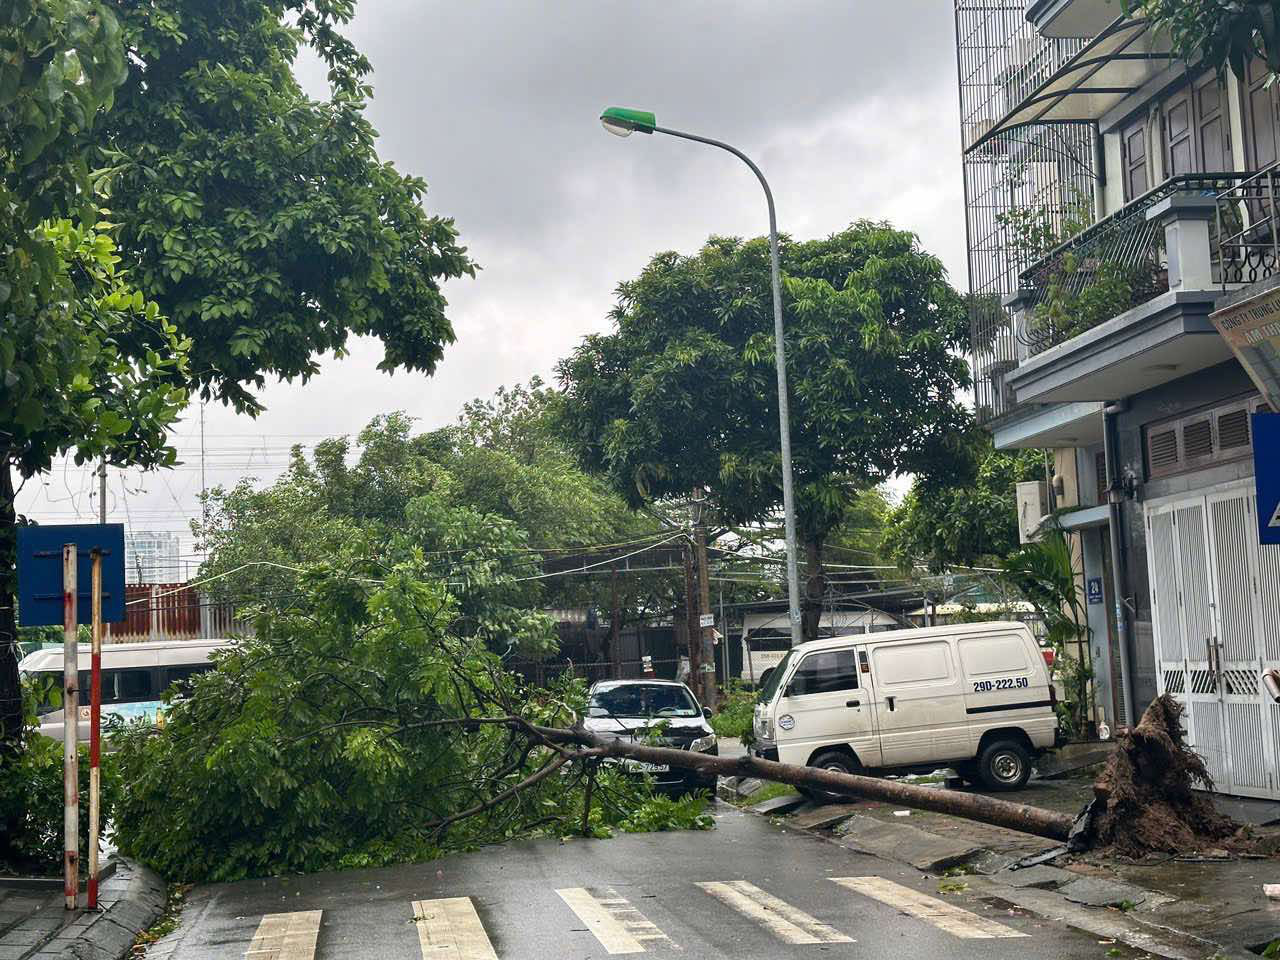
(748, 890)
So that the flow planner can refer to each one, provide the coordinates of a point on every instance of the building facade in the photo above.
(1116, 197)
(152, 556)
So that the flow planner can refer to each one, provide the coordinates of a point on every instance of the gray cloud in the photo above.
(849, 106)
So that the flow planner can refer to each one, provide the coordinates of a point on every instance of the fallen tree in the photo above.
(972, 806)
(1153, 793)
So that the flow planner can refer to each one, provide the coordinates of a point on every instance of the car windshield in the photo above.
(775, 679)
(642, 700)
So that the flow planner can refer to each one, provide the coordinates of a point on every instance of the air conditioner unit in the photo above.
(1033, 507)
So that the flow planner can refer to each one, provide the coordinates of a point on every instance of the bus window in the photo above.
(182, 677)
(131, 686)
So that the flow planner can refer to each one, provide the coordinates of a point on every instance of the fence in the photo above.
(1249, 243)
(173, 611)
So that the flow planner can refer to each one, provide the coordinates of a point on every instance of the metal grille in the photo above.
(1247, 745)
(1250, 248)
(1204, 681)
(1164, 589)
(1121, 258)
(1269, 595)
(1192, 551)
(1175, 682)
(1043, 168)
(1232, 522)
(1241, 683)
(1206, 729)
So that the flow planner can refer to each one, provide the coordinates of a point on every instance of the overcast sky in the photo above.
(849, 106)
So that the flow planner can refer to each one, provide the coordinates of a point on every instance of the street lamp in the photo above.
(622, 122)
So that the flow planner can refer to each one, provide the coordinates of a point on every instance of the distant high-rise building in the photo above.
(152, 556)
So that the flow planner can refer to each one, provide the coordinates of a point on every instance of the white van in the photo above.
(134, 676)
(974, 697)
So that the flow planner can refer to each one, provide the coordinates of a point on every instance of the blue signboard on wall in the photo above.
(1094, 589)
(1266, 471)
(40, 572)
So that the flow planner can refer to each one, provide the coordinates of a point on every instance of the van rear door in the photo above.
(1006, 685)
(920, 707)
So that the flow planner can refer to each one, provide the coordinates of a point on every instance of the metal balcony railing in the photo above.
(1113, 266)
(1249, 229)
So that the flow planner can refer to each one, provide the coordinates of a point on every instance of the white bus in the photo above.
(134, 677)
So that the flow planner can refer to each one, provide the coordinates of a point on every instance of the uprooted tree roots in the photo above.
(1145, 798)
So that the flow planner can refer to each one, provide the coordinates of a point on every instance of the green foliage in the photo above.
(1073, 304)
(1218, 34)
(1044, 572)
(483, 503)
(683, 394)
(31, 796)
(967, 519)
(734, 715)
(660, 812)
(262, 221)
(350, 731)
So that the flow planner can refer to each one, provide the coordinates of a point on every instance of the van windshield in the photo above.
(775, 679)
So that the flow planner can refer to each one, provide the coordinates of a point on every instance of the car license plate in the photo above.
(641, 766)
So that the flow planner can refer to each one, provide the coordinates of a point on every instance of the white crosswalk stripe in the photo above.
(286, 936)
(943, 915)
(450, 929)
(784, 921)
(619, 926)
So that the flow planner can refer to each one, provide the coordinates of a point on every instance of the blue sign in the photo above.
(40, 572)
(1266, 472)
(1093, 589)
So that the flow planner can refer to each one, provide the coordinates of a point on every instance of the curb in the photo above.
(129, 902)
(1136, 932)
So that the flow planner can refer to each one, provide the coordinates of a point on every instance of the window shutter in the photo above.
(1162, 447)
(1233, 429)
(1197, 440)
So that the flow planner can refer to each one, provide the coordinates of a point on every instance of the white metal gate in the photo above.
(1215, 597)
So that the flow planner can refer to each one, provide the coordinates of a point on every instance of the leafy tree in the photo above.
(358, 728)
(1045, 573)
(262, 221)
(682, 395)
(74, 370)
(485, 503)
(967, 519)
(1219, 34)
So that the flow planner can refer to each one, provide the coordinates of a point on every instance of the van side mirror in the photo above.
(706, 712)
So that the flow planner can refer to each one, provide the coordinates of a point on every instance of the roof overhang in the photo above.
(1061, 19)
(1113, 66)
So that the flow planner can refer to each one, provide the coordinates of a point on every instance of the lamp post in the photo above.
(622, 122)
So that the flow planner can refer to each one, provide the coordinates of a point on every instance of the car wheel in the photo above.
(1005, 765)
(837, 762)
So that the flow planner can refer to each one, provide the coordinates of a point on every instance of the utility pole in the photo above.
(693, 641)
(706, 619)
(204, 490)
(102, 491)
(615, 627)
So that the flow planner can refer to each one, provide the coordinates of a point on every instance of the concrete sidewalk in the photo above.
(34, 924)
(1190, 909)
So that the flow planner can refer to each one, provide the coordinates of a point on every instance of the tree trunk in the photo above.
(815, 589)
(972, 806)
(10, 688)
(693, 632)
(615, 626)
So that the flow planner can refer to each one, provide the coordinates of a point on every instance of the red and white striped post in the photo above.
(70, 728)
(95, 728)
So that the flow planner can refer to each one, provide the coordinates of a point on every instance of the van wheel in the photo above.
(837, 762)
(1005, 765)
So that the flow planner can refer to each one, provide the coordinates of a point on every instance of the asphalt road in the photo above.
(748, 890)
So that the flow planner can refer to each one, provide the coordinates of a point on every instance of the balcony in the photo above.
(1072, 18)
(1124, 305)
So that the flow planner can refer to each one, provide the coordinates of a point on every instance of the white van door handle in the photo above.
(889, 701)
(853, 703)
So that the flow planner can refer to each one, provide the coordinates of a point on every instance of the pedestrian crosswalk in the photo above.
(452, 928)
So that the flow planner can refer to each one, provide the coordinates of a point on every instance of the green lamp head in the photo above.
(622, 122)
